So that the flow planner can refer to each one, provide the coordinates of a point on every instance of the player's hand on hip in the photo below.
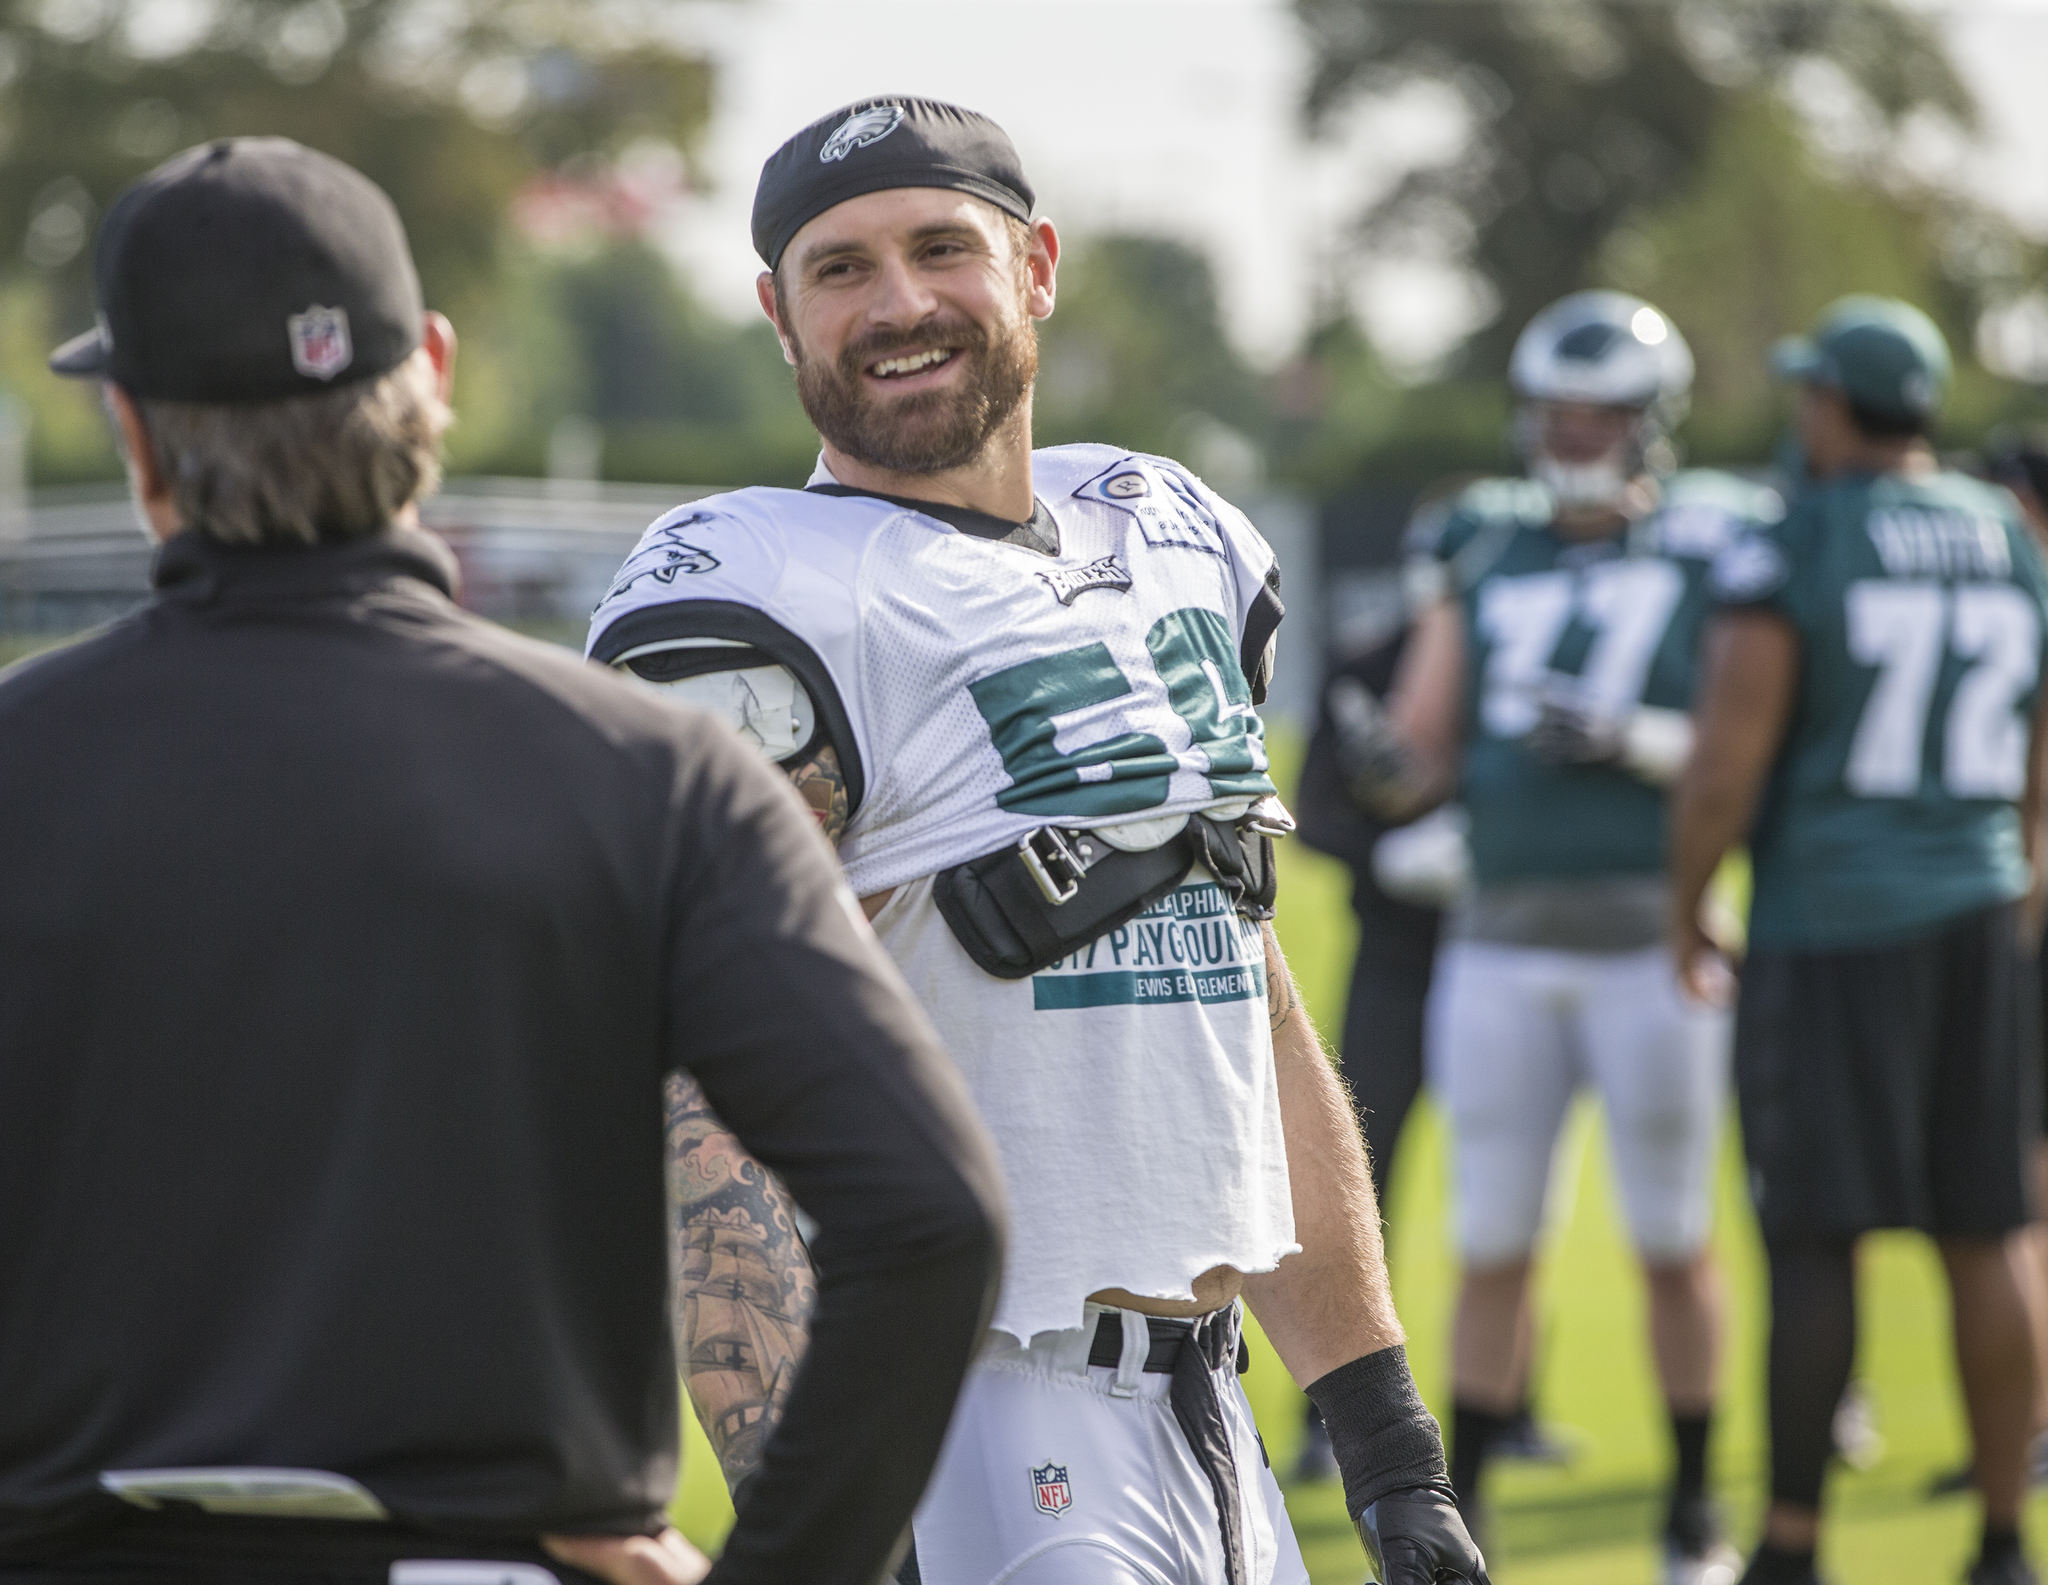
(1703, 971)
(1417, 1537)
(664, 1559)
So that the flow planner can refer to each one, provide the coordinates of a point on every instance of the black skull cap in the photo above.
(874, 144)
(248, 270)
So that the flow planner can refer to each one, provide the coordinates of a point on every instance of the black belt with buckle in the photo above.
(1169, 1337)
(1024, 907)
(1192, 1352)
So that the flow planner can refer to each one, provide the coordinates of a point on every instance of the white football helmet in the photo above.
(1604, 349)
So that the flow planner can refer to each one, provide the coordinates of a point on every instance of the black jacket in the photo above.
(345, 940)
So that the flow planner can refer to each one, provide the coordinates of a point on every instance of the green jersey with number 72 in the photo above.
(1919, 604)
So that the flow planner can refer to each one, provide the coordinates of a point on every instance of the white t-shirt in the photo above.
(978, 689)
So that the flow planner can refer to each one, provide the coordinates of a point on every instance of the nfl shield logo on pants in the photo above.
(1049, 1489)
(321, 348)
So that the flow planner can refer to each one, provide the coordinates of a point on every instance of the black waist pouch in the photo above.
(1023, 908)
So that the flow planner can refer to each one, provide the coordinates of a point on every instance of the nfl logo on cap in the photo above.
(320, 344)
(1049, 1489)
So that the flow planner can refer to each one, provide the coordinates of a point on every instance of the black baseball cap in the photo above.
(248, 270)
(875, 144)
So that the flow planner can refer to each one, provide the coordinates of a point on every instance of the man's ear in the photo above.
(1040, 269)
(145, 479)
(437, 335)
(136, 450)
(764, 289)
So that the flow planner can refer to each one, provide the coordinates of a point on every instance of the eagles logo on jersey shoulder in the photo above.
(665, 554)
(1452, 543)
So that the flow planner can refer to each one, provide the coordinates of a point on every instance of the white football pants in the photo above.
(1513, 1034)
(1058, 1473)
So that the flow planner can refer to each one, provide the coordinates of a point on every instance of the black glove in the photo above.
(1378, 767)
(1392, 1461)
(1415, 1536)
(1564, 734)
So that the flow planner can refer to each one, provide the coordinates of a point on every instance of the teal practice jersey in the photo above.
(1606, 625)
(1893, 804)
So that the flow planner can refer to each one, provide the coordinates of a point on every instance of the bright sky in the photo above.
(1179, 116)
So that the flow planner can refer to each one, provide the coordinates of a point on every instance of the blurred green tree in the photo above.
(1581, 114)
(451, 107)
(1136, 353)
(613, 335)
(455, 107)
(1330, 403)
(1764, 236)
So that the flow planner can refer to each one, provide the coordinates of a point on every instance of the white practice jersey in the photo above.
(976, 689)
(982, 689)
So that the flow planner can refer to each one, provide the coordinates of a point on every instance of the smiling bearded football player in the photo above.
(1018, 688)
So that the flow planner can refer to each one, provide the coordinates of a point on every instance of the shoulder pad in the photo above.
(1489, 511)
(762, 700)
(1523, 502)
(1751, 569)
(1747, 499)
(1704, 511)
(1993, 499)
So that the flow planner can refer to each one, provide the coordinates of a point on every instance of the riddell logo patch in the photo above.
(1106, 572)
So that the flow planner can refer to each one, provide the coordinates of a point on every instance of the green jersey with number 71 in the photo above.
(1919, 605)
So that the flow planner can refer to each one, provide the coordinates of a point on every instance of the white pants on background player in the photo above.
(1516, 1031)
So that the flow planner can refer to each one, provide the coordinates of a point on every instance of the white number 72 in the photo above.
(1904, 629)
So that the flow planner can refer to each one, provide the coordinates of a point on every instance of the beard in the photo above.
(931, 431)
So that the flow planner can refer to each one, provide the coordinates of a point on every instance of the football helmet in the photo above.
(1600, 349)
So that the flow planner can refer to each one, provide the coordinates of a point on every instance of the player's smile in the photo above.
(909, 365)
(912, 373)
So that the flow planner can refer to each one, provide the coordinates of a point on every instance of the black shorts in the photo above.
(1892, 1086)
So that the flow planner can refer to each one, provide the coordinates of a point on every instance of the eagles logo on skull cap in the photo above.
(860, 129)
(875, 144)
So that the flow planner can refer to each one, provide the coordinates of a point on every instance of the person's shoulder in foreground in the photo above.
(358, 859)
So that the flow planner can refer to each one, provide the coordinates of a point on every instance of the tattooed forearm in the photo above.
(1280, 996)
(823, 785)
(742, 1287)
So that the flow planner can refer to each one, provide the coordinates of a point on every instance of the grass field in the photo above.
(1592, 1524)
